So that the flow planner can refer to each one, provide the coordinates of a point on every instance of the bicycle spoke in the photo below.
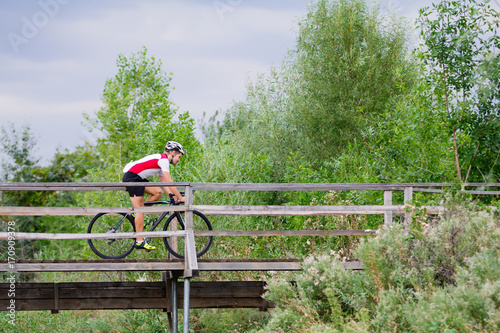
(176, 244)
(110, 223)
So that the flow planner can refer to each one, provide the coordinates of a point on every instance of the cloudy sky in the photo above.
(55, 55)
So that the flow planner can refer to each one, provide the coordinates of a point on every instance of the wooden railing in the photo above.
(57, 298)
(388, 209)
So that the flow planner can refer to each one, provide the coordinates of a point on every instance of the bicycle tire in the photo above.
(111, 248)
(203, 243)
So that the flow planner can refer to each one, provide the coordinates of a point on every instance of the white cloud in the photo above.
(61, 71)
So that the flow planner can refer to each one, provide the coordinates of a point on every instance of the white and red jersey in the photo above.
(149, 166)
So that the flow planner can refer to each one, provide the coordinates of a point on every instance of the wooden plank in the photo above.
(101, 267)
(178, 265)
(270, 233)
(89, 290)
(134, 303)
(51, 186)
(134, 295)
(295, 210)
(180, 233)
(218, 210)
(484, 192)
(293, 187)
(232, 187)
(119, 235)
(85, 211)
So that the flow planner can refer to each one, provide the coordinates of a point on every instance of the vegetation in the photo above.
(441, 276)
(354, 102)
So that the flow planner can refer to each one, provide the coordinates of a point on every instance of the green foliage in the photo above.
(349, 63)
(471, 305)
(91, 321)
(410, 144)
(137, 118)
(226, 320)
(459, 53)
(442, 275)
(19, 145)
(324, 299)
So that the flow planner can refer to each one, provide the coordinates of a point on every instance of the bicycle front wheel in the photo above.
(176, 244)
(111, 223)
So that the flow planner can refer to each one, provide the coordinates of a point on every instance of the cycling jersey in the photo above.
(149, 166)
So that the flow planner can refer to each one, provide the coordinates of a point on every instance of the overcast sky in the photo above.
(55, 55)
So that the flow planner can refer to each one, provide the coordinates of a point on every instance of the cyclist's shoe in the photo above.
(145, 246)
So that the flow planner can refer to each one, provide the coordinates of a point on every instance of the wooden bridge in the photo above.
(167, 294)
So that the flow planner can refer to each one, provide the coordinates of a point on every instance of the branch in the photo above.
(470, 166)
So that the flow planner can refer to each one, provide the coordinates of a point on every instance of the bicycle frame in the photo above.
(163, 215)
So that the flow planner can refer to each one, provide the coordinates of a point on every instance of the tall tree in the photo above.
(460, 55)
(137, 115)
(350, 61)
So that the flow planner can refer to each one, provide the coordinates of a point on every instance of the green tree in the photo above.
(22, 165)
(459, 52)
(350, 61)
(138, 117)
(327, 95)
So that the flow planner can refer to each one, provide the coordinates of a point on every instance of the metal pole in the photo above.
(175, 318)
(187, 286)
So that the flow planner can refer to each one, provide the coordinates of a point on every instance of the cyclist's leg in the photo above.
(140, 243)
(138, 201)
(155, 193)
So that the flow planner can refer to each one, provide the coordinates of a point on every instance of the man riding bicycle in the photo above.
(138, 171)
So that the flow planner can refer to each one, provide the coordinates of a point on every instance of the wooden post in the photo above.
(56, 299)
(408, 198)
(190, 260)
(388, 202)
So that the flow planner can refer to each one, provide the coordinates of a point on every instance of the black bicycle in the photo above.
(121, 247)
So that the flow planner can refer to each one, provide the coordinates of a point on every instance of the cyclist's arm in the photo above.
(171, 189)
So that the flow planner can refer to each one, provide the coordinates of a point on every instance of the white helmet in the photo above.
(173, 145)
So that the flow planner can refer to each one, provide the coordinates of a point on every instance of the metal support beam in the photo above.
(187, 291)
(175, 310)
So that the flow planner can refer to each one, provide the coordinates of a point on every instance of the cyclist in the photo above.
(139, 171)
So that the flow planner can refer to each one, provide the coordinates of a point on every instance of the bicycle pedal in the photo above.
(148, 250)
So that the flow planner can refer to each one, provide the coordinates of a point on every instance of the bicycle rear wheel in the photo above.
(175, 244)
(111, 223)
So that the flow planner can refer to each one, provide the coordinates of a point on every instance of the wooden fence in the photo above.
(388, 209)
(66, 296)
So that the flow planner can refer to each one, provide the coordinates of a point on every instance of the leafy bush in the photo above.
(442, 275)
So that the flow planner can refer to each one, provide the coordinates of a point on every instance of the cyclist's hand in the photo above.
(180, 201)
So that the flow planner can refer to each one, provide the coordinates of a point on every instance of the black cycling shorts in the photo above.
(135, 191)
